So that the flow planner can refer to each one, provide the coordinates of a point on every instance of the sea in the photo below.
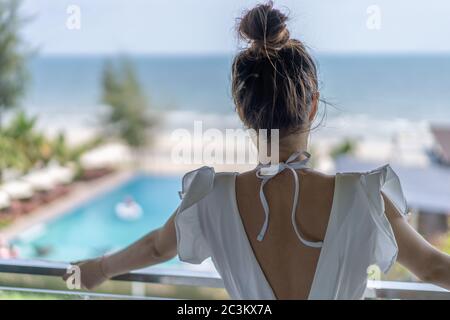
(364, 93)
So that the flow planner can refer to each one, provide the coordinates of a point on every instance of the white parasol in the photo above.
(18, 189)
(40, 180)
(5, 200)
(60, 174)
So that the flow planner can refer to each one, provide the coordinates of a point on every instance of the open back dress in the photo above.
(208, 225)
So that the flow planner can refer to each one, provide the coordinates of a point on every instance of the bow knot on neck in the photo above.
(267, 172)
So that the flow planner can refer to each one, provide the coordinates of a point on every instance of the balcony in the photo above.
(183, 279)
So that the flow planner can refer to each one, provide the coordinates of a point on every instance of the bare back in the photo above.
(288, 265)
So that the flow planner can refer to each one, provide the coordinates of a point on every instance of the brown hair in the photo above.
(274, 79)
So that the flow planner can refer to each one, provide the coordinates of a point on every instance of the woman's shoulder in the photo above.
(370, 183)
(373, 179)
(382, 180)
(199, 183)
(203, 178)
(323, 179)
(375, 171)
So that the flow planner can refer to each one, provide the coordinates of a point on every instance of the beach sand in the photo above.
(395, 140)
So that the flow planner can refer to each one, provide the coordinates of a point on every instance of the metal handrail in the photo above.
(148, 275)
(72, 293)
(407, 290)
(174, 276)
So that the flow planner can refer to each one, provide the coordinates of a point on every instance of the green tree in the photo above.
(345, 147)
(10, 157)
(23, 146)
(128, 116)
(13, 74)
(28, 143)
(62, 152)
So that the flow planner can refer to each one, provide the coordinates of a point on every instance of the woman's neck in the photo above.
(291, 144)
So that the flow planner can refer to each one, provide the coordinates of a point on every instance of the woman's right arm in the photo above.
(415, 253)
(157, 246)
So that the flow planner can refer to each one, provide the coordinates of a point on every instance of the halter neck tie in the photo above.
(267, 172)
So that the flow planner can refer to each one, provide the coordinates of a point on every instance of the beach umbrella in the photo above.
(5, 200)
(18, 189)
(40, 180)
(60, 174)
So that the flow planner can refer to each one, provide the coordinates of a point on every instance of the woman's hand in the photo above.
(91, 273)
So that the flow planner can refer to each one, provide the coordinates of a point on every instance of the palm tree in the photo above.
(10, 157)
(23, 147)
(27, 140)
(128, 116)
(13, 74)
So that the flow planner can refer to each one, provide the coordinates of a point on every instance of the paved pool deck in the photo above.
(81, 191)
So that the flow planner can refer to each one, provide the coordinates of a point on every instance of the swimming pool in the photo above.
(93, 228)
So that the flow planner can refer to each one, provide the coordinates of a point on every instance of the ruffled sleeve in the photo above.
(191, 241)
(384, 180)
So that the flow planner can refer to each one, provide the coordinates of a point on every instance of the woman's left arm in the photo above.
(157, 246)
(415, 253)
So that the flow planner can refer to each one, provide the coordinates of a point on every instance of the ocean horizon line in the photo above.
(230, 54)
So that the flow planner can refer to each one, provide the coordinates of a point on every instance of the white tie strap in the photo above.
(267, 172)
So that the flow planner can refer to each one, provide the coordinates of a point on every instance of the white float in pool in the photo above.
(128, 210)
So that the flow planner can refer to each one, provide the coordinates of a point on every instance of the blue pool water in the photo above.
(93, 228)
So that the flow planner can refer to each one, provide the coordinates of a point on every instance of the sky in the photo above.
(207, 26)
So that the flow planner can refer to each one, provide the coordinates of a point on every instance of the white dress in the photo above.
(208, 224)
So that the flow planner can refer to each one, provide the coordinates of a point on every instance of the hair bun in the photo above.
(264, 27)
